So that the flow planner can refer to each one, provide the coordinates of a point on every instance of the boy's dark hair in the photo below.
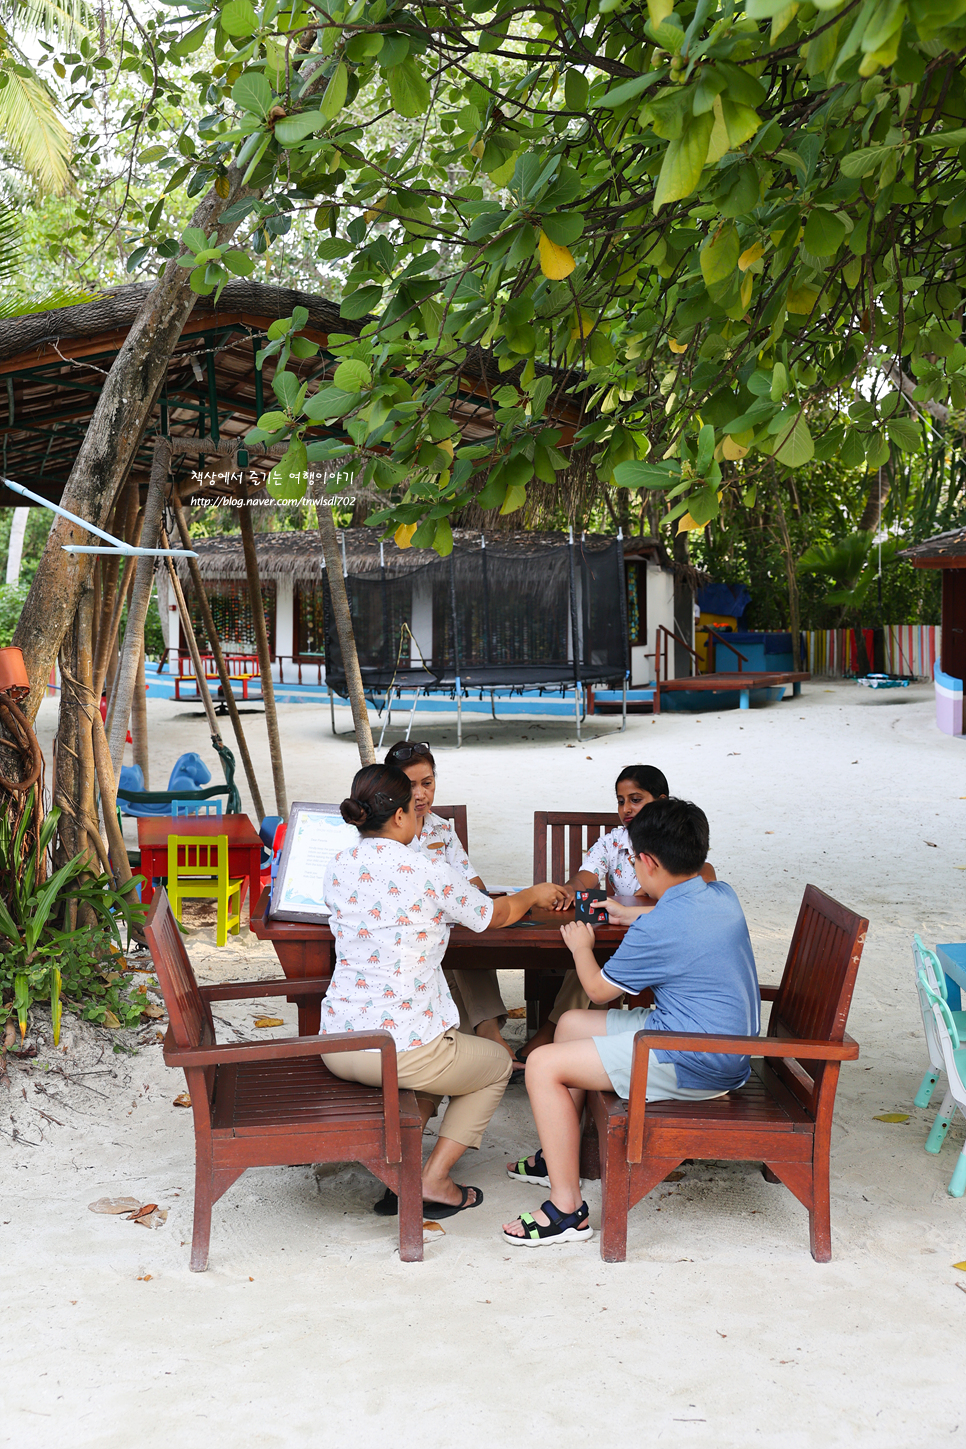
(674, 831)
(645, 777)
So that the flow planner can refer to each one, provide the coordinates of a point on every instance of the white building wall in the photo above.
(660, 611)
(284, 623)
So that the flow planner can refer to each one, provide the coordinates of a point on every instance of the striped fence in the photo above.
(908, 648)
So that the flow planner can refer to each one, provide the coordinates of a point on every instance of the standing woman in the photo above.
(475, 993)
(391, 915)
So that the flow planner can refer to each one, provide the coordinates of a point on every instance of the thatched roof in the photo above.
(52, 367)
(946, 550)
(299, 555)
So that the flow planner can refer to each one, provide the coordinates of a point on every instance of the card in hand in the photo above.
(589, 906)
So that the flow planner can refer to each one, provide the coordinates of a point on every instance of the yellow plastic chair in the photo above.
(204, 873)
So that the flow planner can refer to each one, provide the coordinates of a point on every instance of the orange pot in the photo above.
(13, 673)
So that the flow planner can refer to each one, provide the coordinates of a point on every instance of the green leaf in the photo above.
(795, 444)
(335, 92)
(286, 387)
(627, 90)
(238, 18)
(905, 434)
(516, 496)
(719, 257)
(295, 128)
(635, 474)
(352, 376)
(409, 90)
(358, 303)
(443, 538)
(239, 263)
(333, 249)
(330, 402)
(852, 451)
(824, 233)
(287, 481)
(684, 161)
(703, 505)
(563, 227)
(271, 422)
(576, 90)
(860, 163)
(252, 92)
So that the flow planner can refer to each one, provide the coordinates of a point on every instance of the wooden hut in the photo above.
(947, 551)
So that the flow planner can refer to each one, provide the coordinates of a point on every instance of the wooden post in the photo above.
(220, 664)
(113, 594)
(204, 693)
(264, 659)
(138, 606)
(794, 612)
(343, 624)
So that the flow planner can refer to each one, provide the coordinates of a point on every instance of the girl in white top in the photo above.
(476, 993)
(391, 914)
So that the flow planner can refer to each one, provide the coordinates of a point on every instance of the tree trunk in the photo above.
(139, 721)
(222, 668)
(794, 612)
(878, 495)
(137, 609)
(343, 624)
(105, 456)
(264, 659)
(683, 609)
(66, 753)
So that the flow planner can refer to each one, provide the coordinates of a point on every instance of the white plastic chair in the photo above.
(954, 1060)
(926, 963)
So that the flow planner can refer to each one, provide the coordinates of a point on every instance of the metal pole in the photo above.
(486, 603)
(456, 653)
(574, 632)
(625, 636)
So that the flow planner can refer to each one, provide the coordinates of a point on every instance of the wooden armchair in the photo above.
(274, 1103)
(782, 1117)
(561, 839)
(456, 813)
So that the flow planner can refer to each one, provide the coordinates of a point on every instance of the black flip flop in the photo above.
(388, 1205)
(447, 1209)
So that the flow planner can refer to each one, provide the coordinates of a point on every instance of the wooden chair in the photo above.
(274, 1103)
(782, 1117)
(567, 835)
(456, 813)
(202, 873)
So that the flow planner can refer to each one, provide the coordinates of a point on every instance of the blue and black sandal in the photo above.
(562, 1228)
(527, 1171)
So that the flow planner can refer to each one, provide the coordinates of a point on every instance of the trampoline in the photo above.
(512, 612)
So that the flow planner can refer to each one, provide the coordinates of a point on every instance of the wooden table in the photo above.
(244, 846)
(304, 949)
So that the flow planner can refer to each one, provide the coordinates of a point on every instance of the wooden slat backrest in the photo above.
(815, 994)
(188, 1012)
(571, 833)
(456, 813)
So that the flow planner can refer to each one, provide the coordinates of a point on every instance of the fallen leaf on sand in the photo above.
(270, 1021)
(960, 1267)
(145, 1279)
(933, 844)
(115, 1205)
(517, 1013)
(892, 1117)
(674, 1177)
(182, 1100)
(155, 1012)
(110, 1019)
(432, 1231)
(9, 1035)
(150, 1216)
(141, 1212)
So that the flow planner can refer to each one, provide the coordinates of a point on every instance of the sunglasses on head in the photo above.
(400, 753)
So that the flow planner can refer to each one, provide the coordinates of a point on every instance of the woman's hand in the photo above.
(566, 898)
(548, 897)
(578, 936)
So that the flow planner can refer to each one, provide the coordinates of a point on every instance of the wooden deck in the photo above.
(744, 682)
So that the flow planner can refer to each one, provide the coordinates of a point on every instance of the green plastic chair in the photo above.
(954, 1060)
(926, 963)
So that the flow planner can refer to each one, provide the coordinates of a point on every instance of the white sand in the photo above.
(719, 1331)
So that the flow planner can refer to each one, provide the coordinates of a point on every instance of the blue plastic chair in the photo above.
(195, 807)
(926, 966)
(954, 1060)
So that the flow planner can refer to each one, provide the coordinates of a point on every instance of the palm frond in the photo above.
(48, 17)
(49, 302)
(34, 132)
(11, 242)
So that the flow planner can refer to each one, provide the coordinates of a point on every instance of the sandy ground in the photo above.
(307, 1329)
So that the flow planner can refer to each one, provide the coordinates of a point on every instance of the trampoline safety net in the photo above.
(524, 611)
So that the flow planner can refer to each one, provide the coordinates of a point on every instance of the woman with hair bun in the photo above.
(476, 993)
(391, 913)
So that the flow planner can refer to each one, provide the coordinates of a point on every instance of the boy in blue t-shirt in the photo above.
(693, 949)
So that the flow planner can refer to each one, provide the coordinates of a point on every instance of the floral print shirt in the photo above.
(610, 855)
(440, 841)
(391, 913)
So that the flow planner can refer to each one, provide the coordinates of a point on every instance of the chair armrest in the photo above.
(286, 1047)
(278, 986)
(748, 1046)
(740, 1046)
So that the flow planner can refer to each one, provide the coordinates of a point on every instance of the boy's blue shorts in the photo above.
(617, 1050)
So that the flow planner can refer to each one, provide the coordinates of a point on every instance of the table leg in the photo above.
(590, 1150)
(310, 1017)
(796, 689)
(744, 699)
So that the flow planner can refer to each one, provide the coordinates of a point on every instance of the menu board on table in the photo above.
(315, 834)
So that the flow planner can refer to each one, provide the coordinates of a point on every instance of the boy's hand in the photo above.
(578, 936)
(619, 915)
(548, 896)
